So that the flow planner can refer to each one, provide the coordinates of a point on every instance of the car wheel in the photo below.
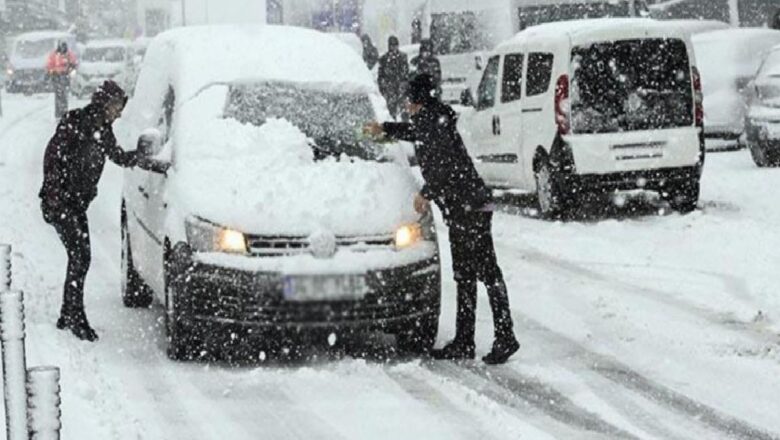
(550, 200)
(684, 197)
(421, 338)
(758, 154)
(135, 292)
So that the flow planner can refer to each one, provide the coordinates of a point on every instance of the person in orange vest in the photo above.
(60, 64)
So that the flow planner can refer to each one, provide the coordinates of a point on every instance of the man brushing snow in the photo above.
(72, 166)
(452, 182)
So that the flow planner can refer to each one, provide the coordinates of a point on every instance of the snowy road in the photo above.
(637, 324)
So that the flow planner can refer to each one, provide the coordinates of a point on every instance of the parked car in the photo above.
(573, 108)
(728, 60)
(100, 61)
(762, 124)
(26, 70)
(351, 39)
(275, 214)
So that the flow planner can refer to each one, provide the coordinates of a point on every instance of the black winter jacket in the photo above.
(393, 74)
(74, 160)
(451, 180)
(427, 66)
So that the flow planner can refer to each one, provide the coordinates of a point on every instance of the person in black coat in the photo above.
(72, 166)
(452, 182)
(393, 75)
(370, 52)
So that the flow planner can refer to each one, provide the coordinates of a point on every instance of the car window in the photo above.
(539, 73)
(512, 83)
(486, 94)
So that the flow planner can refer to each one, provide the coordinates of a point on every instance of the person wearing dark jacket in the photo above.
(393, 75)
(72, 166)
(370, 52)
(426, 62)
(452, 182)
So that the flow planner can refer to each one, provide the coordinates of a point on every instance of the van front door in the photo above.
(506, 159)
(484, 128)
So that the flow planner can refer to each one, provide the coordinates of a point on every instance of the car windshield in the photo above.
(536, 15)
(34, 48)
(104, 54)
(458, 32)
(332, 119)
(631, 85)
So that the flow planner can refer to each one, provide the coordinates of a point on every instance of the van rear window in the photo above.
(631, 85)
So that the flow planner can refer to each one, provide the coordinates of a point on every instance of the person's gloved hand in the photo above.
(374, 129)
(421, 204)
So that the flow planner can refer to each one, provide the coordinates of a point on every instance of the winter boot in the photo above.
(78, 324)
(502, 350)
(462, 347)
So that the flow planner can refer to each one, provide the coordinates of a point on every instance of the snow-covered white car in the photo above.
(275, 214)
(26, 70)
(728, 60)
(762, 124)
(572, 108)
(100, 61)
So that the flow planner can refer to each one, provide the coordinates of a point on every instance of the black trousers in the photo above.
(73, 230)
(61, 89)
(474, 259)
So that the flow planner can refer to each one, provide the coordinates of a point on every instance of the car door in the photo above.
(538, 111)
(483, 129)
(508, 120)
(156, 206)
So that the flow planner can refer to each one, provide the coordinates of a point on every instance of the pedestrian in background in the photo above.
(393, 76)
(370, 52)
(59, 66)
(452, 182)
(72, 166)
(426, 63)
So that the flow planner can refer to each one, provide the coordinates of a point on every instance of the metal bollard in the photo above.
(5, 267)
(43, 403)
(14, 364)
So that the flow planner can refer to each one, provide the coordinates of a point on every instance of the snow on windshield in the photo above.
(34, 48)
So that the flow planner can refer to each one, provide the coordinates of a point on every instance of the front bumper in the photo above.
(212, 297)
(29, 80)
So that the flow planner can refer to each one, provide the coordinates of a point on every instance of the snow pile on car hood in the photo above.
(264, 180)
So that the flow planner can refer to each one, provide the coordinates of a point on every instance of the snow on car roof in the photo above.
(577, 30)
(115, 42)
(43, 35)
(733, 34)
(731, 53)
(205, 55)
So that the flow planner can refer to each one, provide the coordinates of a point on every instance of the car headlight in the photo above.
(9, 71)
(208, 237)
(407, 236)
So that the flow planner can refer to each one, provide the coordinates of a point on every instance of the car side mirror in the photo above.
(466, 98)
(479, 62)
(150, 143)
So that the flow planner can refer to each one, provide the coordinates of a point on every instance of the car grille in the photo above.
(275, 246)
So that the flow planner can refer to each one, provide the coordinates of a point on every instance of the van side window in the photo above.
(540, 67)
(512, 83)
(486, 94)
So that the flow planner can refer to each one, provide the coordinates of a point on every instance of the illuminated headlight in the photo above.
(9, 71)
(407, 236)
(208, 237)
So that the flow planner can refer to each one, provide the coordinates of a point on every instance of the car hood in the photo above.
(341, 197)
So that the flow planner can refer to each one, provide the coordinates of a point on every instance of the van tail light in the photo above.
(562, 105)
(698, 97)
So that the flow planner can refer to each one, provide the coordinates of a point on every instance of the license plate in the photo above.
(325, 288)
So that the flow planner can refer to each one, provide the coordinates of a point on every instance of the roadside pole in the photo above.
(14, 364)
(5, 267)
(734, 12)
(43, 403)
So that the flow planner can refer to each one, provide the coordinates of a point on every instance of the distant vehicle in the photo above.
(762, 124)
(278, 216)
(100, 61)
(26, 70)
(630, 118)
(728, 60)
(463, 31)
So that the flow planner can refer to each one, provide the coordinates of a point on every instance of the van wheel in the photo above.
(181, 341)
(421, 338)
(135, 292)
(760, 155)
(550, 200)
(684, 197)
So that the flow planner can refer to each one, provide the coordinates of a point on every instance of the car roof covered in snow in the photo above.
(583, 31)
(114, 42)
(737, 34)
(204, 55)
(43, 35)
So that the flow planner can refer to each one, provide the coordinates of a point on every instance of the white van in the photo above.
(570, 108)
